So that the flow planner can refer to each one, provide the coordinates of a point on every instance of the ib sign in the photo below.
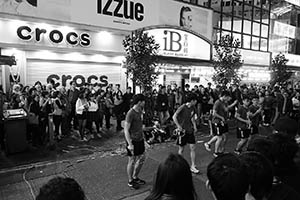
(181, 43)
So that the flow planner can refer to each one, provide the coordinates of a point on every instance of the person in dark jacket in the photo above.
(33, 131)
(72, 96)
(173, 180)
(162, 106)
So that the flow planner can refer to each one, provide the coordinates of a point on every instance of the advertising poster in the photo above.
(124, 15)
(47, 9)
(190, 17)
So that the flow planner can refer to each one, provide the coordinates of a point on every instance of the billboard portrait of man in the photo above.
(186, 17)
(19, 7)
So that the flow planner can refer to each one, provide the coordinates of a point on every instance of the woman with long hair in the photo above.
(81, 112)
(173, 180)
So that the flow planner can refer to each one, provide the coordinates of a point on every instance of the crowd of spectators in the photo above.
(90, 109)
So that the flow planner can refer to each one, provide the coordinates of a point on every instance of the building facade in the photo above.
(66, 40)
(78, 40)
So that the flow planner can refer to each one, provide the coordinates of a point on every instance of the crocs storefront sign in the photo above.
(54, 36)
(80, 80)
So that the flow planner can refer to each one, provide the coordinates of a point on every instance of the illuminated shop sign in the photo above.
(181, 43)
(80, 80)
(121, 9)
(56, 36)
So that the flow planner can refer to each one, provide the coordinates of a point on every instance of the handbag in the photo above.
(32, 118)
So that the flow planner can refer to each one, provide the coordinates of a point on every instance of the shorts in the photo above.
(138, 148)
(243, 133)
(82, 116)
(219, 128)
(253, 130)
(186, 139)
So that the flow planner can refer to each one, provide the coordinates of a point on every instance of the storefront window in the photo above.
(216, 36)
(257, 14)
(247, 27)
(265, 15)
(237, 36)
(248, 20)
(237, 25)
(226, 22)
(226, 33)
(255, 43)
(216, 5)
(256, 29)
(247, 12)
(263, 44)
(246, 41)
(264, 31)
(217, 20)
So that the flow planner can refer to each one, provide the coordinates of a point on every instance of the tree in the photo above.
(279, 72)
(141, 58)
(227, 61)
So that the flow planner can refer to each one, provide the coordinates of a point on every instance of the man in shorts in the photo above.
(184, 118)
(135, 141)
(219, 123)
(243, 124)
(255, 116)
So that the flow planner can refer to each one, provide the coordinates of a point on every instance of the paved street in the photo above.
(102, 174)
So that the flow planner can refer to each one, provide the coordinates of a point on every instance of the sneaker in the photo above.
(236, 151)
(207, 146)
(194, 170)
(133, 185)
(99, 135)
(84, 139)
(216, 154)
(139, 181)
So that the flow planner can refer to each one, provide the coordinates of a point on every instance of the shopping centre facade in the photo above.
(79, 40)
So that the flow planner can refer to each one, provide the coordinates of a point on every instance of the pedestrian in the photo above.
(109, 105)
(57, 114)
(62, 189)
(243, 124)
(81, 112)
(162, 106)
(260, 173)
(173, 180)
(118, 107)
(219, 123)
(184, 118)
(255, 111)
(2, 108)
(93, 116)
(135, 141)
(72, 95)
(227, 178)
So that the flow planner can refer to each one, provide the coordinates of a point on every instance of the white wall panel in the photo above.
(41, 71)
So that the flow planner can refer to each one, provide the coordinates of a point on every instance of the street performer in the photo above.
(184, 118)
(135, 141)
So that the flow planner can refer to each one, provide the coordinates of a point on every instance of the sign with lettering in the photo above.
(119, 14)
(56, 36)
(63, 73)
(177, 42)
(48, 35)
